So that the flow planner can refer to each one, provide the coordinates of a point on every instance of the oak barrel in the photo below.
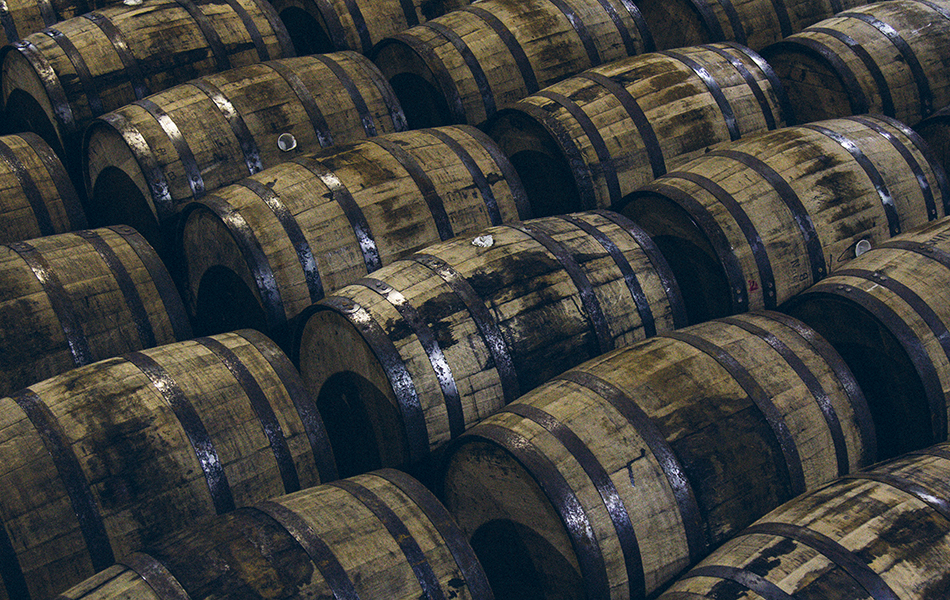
(881, 533)
(144, 161)
(37, 197)
(753, 23)
(593, 138)
(441, 339)
(377, 536)
(55, 81)
(76, 298)
(754, 222)
(258, 253)
(466, 65)
(100, 461)
(20, 18)
(613, 477)
(887, 314)
(886, 57)
(319, 26)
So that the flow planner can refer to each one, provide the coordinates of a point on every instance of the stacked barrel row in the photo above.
(565, 539)
(139, 164)
(410, 357)
(105, 457)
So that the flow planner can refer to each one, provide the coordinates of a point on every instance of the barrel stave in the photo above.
(755, 23)
(318, 26)
(81, 297)
(145, 161)
(377, 535)
(36, 196)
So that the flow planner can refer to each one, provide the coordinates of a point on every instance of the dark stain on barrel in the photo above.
(745, 478)
(843, 186)
(456, 585)
(373, 170)
(831, 582)
(849, 229)
(397, 329)
(123, 447)
(34, 336)
(525, 271)
(406, 220)
(244, 554)
(725, 589)
(937, 588)
(912, 533)
(586, 94)
(770, 557)
(439, 312)
(701, 130)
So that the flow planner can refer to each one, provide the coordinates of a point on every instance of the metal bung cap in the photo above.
(286, 142)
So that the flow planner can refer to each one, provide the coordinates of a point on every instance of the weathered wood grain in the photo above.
(886, 313)
(37, 198)
(468, 64)
(379, 535)
(319, 26)
(439, 340)
(259, 252)
(753, 23)
(610, 479)
(588, 141)
(755, 221)
(103, 460)
(74, 298)
(881, 533)
(144, 161)
(886, 57)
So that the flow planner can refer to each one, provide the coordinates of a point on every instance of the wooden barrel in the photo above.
(887, 57)
(881, 533)
(753, 23)
(593, 138)
(610, 479)
(319, 26)
(144, 161)
(935, 130)
(100, 461)
(466, 65)
(437, 341)
(79, 297)
(259, 252)
(20, 18)
(754, 222)
(55, 81)
(886, 313)
(379, 535)
(36, 196)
